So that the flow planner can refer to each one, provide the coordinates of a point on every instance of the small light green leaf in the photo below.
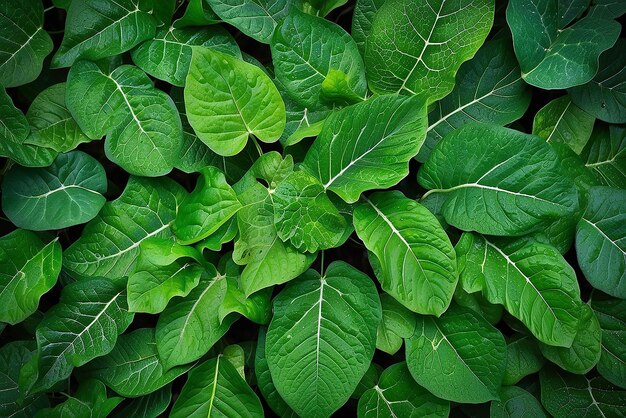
(566, 395)
(224, 234)
(605, 95)
(90, 400)
(458, 356)
(417, 48)
(256, 18)
(212, 203)
(504, 182)
(601, 241)
(368, 145)
(84, 325)
(227, 100)
(96, 29)
(417, 260)
(516, 402)
(489, 88)
(551, 55)
(397, 323)
(143, 129)
(67, 193)
(197, 13)
(304, 215)
(23, 42)
(523, 358)
(306, 50)
(28, 269)
(605, 155)
(563, 121)
(322, 338)
(109, 244)
(168, 56)
(397, 395)
(148, 406)
(585, 351)
(189, 326)
(611, 314)
(215, 389)
(532, 280)
(133, 368)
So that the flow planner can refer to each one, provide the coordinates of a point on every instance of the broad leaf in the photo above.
(143, 129)
(109, 244)
(28, 269)
(458, 356)
(601, 241)
(90, 400)
(322, 338)
(417, 48)
(611, 314)
(148, 406)
(504, 182)
(523, 358)
(362, 19)
(489, 88)
(551, 55)
(23, 42)
(397, 395)
(563, 121)
(168, 56)
(607, 9)
(532, 280)
(67, 193)
(417, 260)
(227, 100)
(317, 62)
(96, 29)
(515, 401)
(256, 18)
(134, 368)
(368, 145)
(215, 389)
(605, 155)
(605, 95)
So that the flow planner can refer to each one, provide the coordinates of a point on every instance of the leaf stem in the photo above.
(322, 264)
(256, 143)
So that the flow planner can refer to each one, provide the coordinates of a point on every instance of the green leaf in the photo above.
(69, 192)
(566, 395)
(523, 358)
(489, 89)
(13, 355)
(532, 280)
(265, 382)
(397, 395)
(417, 48)
(256, 18)
(601, 241)
(306, 51)
(96, 29)
(14, 130)
(189, 326)
(368, 380)
(585, 351)
(28, 269)
(605, 155)
(304, 215)
(322, 338)
(611, 314)
(504, 182)
(551, 55)
(134, 368)
(212, 203)
(397, 323)
(197, 13)
(417, 260)
(84, 325)
(362, 19)
(109, 244)
(227, 100)
(215, 389)
(376, 140)
(168, 56)
(90, 400)
(607, 9)
(458, 356)
(149, 406)
(475, 301)
(23, 42)
(224, 234)
(563, 121)
(143, 129)
(516, 402)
